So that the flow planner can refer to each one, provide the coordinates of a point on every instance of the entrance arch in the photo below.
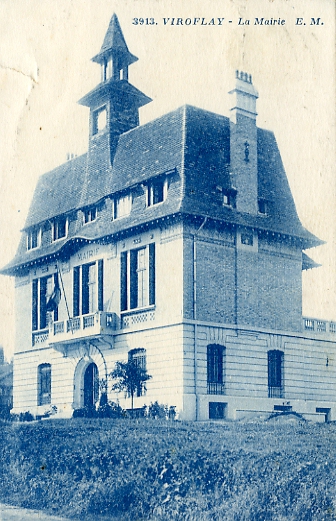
(86, 384)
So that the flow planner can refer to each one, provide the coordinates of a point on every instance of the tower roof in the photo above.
(114, 44)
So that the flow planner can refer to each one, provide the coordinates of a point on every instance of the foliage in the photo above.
(156, 411)
(163, 471)
(104, 410)
(26, 416)
(130, 377)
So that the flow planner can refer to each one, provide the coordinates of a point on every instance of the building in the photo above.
(176, 243)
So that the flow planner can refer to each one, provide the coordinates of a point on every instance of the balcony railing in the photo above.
(318, 326)
(92, 325)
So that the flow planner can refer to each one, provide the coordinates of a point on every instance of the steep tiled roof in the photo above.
(191, 144)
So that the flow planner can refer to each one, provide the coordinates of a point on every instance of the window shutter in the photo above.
(43, 303)
(85, 289)
(152, 274)
(56, 285)
(133, 279)
(123, 281)
(100, 285)
(76, 291)
(35, 305)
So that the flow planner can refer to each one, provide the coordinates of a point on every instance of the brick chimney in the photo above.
(243, 143)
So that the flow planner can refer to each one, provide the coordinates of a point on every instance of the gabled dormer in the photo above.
(114, 103)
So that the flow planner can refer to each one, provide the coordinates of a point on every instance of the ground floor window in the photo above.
(215, 369)
(275, 374)
(44, 384)
(217, 410)
(138, 357)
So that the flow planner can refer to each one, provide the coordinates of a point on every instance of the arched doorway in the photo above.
(91, 385)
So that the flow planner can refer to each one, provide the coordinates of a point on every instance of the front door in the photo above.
(91, 385)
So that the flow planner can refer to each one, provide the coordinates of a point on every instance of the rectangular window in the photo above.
(215, 369)
(138, 357)
(229, 199)
(90, 214)
(157, 191)
(59, 228)
(246, 237)
(137, 278)
(34, 239)
(44, 384)
(43, 290)
(275, 374)
(122, 206)
(88, 288)
(99, 120)
(262, 206)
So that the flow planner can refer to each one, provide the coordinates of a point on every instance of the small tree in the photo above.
(130, 377)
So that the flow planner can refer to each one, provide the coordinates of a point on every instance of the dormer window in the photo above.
(59, 228)
(262, 206)
(34, 239)
(122, 206)
(229, 199)
(157, 191)
(90, 214)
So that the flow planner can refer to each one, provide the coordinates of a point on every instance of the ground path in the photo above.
(9, 513)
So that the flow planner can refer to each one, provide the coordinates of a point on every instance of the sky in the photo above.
(45, 68)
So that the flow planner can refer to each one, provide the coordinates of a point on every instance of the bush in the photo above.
(5, 413)
(26, 417)
(85, 412)
(110, 410)
(156, 411)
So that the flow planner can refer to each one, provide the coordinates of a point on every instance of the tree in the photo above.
(130, 377)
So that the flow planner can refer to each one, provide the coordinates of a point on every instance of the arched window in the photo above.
(275, 374)
(44, 384)
(216, 369)
(138, 357)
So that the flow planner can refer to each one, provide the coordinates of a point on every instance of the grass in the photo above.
(163, 470)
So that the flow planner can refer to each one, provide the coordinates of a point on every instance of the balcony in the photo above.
(315, 325)
(98, 324)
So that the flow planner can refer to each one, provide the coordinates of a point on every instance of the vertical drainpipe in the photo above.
(195, 309)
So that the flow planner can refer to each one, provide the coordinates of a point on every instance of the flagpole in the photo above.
(65, 299)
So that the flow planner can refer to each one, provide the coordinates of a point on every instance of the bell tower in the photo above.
(114, 103)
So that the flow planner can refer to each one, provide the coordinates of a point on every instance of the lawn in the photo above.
(164, 470)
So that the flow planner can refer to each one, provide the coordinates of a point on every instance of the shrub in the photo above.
(156, 411)
(26, 417)
(110, 410)
(85, 412)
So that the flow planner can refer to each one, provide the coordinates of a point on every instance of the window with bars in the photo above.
(88, 283)
(137, 288)
(138, 357)
(275, 374)
(216, 369)
(43, 290)
(44, 384)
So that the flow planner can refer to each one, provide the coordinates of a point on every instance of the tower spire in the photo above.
(114, 103)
